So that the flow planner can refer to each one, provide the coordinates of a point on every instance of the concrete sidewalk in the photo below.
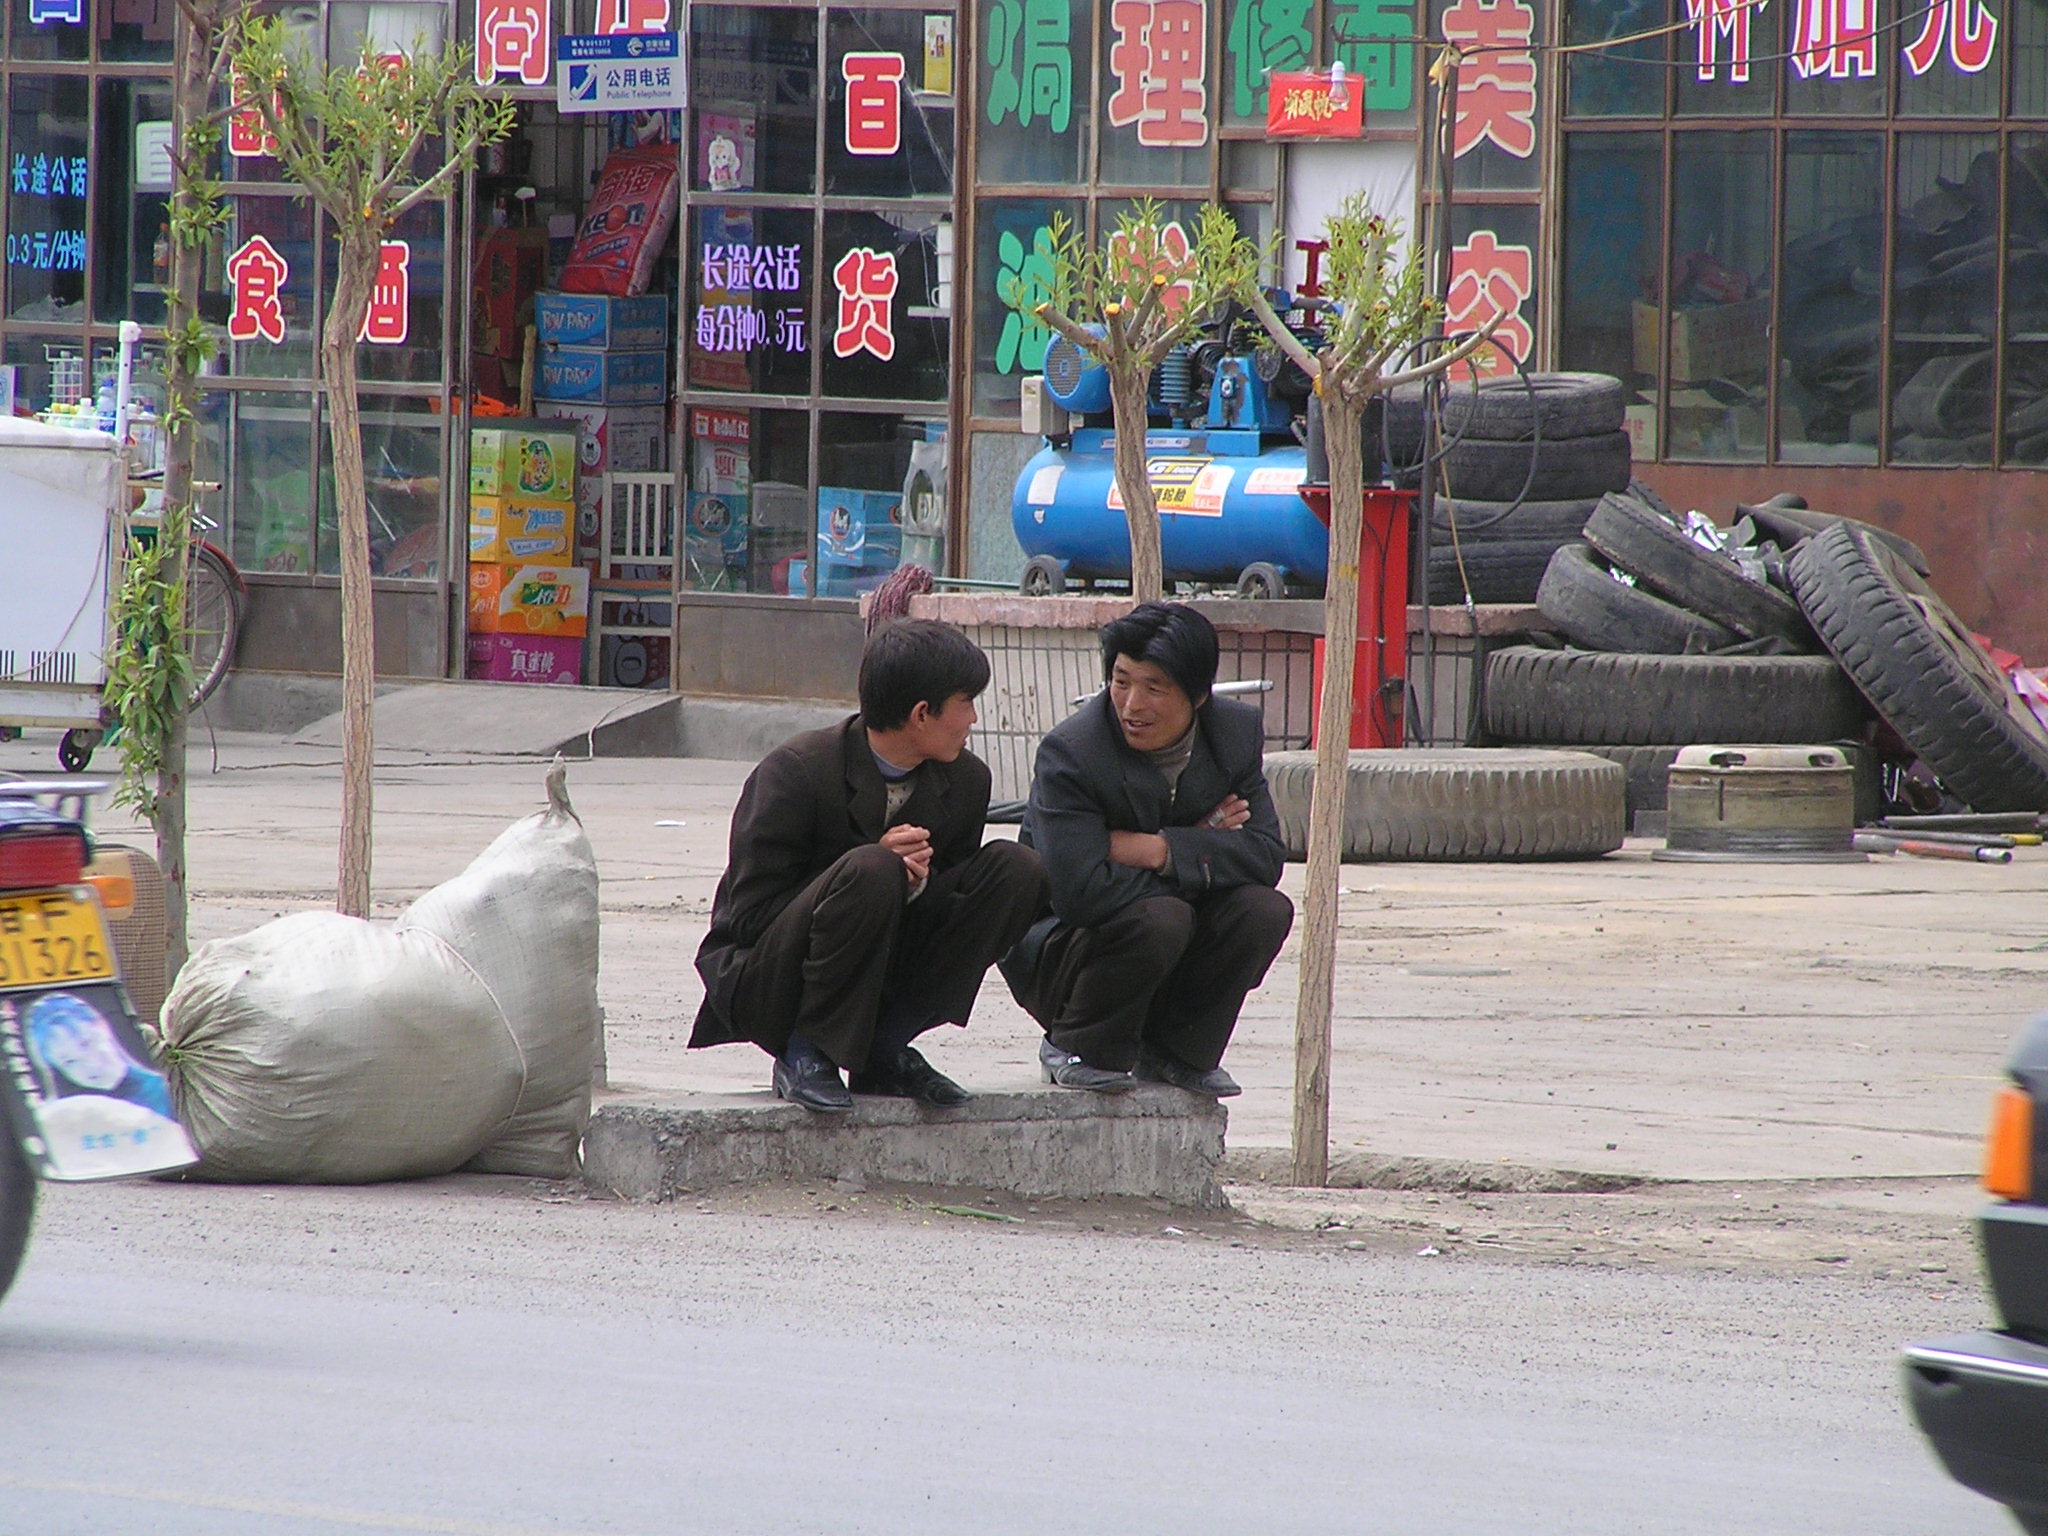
(1620, 1017)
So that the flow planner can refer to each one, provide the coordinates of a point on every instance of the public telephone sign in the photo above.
(622, 72)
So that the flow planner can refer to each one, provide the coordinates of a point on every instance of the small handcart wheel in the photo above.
(75, 751)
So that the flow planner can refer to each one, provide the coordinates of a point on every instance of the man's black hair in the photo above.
(1173, 637)
(913, 660)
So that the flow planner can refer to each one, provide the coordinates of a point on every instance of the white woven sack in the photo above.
(524, 915)
(323, 1049)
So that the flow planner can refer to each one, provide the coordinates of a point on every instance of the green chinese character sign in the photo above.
(1388, 68)
(1264, 35)
(1024, 280)
(1031, 63)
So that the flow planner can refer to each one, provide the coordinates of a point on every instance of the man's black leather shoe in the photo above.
(1158, 1067)
(812, 1082)
(905, 1074)
(1066, 1070)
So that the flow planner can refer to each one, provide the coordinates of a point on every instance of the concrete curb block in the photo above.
(1364, 1170)
(1050, 1143)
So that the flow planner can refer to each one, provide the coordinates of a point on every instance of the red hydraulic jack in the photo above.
(1379, 681)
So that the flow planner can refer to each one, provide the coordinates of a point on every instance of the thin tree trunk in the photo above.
(1127, 398)
(1315, 995)
(356, 271)
(189, 103)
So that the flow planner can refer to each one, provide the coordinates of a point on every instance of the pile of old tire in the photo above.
(1459, 804)
(1690, 649)
(1921, 668)
(1525, 459)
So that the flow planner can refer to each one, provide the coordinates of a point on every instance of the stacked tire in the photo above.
(1670, 644)
(1525, 460)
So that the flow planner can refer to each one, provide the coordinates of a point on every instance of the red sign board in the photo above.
(1308, 104)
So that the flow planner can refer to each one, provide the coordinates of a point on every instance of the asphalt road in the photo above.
(493, 1356)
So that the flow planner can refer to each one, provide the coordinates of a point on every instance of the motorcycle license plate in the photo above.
(50, 938)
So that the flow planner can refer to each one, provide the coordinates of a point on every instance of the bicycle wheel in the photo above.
(213, 620)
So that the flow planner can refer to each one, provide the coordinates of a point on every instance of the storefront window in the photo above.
(865, 465)
(1719, 296)
(1035, 95)
(754, 88)
(270, 481)
(1499, 94)
(50, 160)
(1728, 61)
(384, 27)
(1260, 37)
(751, 318)
(1013, 272)
(402, 458)
(748, 516)
(132, 193)
(1155, 84)
(137, 31)
(1944, 298)
(268, 271)
(2026, 303)
(1615, 82)
(52, 29)
(406, 304)
(1951, 60)
(2029, 22)
(1613, 241)
(889, 112)
(887, 315)
(1831, 310)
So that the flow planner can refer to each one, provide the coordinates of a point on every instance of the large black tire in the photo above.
(1918, 665)
(1566, 469)
(1585, 697)
(1651, 547)
(1510, 410)
(1792, 526)
(1460, 804)
(17, 1207)
(1594, 610)
(1505, 522)
(1494, 573)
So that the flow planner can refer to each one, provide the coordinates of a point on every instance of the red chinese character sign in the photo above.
(1834, 39)
(1964, 29)
(1716, 21)
(615, 17)
(246, 137)
(866, 281)
(387, 320)
(874, 102)
(1489, 279)
(1496, 81)
(1309, 105)
(512, 38)
(1156, 67)
(258, 275)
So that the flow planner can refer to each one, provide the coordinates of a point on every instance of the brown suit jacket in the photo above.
(810, 802)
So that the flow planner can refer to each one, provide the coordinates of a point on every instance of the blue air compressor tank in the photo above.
(1218, 513)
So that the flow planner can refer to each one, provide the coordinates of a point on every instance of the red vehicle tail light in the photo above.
(31, 859)
(2009, 1147)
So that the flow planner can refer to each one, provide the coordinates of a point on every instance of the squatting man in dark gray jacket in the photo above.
(1150, 811)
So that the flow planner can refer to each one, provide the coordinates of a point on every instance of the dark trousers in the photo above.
(852, 959)
(1165, 972)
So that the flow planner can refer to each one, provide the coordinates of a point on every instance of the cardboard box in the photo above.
(529, 600)
(525, 658)
(598, 320)
(523, 463)
(862, 528)
(632, 439)
(1717, 342)
(602, 378)
(505, 532)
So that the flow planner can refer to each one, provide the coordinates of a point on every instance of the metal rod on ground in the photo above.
(1961, 839)
(1988, 821)
(1868, 843)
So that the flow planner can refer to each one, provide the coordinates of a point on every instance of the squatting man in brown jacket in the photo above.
(859, 906)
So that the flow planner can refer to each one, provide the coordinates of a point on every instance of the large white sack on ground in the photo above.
(322, 1049)
(524, 915)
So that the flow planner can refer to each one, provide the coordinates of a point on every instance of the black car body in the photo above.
(1982, 1398)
